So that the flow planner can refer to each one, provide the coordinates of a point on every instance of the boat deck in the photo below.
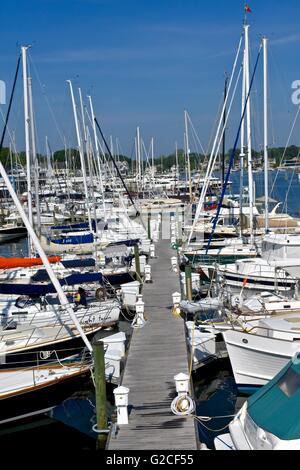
(157, 353)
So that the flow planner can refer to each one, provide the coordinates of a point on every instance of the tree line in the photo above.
(162, 163)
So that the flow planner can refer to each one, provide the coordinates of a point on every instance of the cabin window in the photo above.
(289, 384)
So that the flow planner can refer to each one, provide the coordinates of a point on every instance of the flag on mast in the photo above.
(247, 8)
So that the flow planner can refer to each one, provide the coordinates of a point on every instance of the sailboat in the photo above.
(227, 223)
(278, 267)
(40, 388)
(39, 343)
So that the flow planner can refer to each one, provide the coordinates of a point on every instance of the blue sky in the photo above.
(144, 63)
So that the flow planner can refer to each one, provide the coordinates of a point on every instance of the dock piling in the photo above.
(188, 283)
(149, 226)
(137, 263)
(100, 390)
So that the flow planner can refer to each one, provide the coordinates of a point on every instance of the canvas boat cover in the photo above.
(276, 407)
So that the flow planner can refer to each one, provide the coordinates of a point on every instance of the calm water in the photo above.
(284, 186)
(14, 249)
(216, 394)
(214, 385)
(67, 426)
(70, 426)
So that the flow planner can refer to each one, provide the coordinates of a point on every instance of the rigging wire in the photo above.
(286, 147)
(10, 103)
(43, 89)
(118, 172)
(233, 155)
(219, 135)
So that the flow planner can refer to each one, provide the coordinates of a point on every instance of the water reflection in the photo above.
(216, 394)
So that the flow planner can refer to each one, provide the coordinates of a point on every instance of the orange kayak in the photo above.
(9, 263)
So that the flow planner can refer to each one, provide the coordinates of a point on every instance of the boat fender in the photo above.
(176, 311)
(101, 293)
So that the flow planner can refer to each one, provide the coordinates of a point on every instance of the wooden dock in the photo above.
(157, 353)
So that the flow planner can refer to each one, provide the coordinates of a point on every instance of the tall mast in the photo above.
(266, 160)
(97, 155)
(242, 154)
(48, 158)
(113, 171)
(34, 159)
(188, 154)
(83, 119)
(81, 153)
(249, 135)
(176, 159)
(152, 161)
(224, 133)
(216, 146)
(185, 159)
(138, 154)
(117, 152)
(88, 156)
(67, 172)
(27, 142)
(11, 160)
(61, 295)
(112, 146)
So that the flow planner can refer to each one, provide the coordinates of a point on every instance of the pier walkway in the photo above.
(157, 353)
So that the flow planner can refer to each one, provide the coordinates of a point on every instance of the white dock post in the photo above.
(183, 404)
(173, 233)
(121, 400)
(148, 277)
(176, 299)
(182, 383)
(139, 320)
(174, 264)
(152, 250)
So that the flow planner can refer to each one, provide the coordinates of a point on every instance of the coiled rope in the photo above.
(183, 405)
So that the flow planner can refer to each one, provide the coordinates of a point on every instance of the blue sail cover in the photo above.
(74, 227)
(79, 263)
(276, 407)
(74, 240)
(38, 289)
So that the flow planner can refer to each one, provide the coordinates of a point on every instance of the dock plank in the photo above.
(157, 353)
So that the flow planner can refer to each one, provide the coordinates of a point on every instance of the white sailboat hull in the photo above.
(104, 314)
(256, 360)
